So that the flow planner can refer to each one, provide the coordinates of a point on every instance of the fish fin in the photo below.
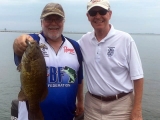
(19, 67)
(27, 67)
(21, 96)
(35, 116)
(44, 95)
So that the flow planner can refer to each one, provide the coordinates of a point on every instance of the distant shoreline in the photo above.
(25, 31)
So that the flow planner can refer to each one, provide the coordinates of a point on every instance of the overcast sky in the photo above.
(133, 16)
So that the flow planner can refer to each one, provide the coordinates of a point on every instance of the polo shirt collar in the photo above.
(111, 32)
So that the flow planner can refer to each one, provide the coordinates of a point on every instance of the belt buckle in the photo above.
(116, 97)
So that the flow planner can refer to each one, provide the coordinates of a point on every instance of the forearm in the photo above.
(138, 91)
(79, 105)
(16, 49)
(80, 93)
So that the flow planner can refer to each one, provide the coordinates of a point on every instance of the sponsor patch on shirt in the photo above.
(69, 50)
(43, 49)
(110, 52)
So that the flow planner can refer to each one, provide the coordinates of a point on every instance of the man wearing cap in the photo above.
(64, 66)
(113, 70)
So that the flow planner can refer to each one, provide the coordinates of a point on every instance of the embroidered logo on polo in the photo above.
(61, 76)
(110, 52)
(69, 50)
(43, 49)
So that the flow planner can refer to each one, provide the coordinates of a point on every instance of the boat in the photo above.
(14, 110)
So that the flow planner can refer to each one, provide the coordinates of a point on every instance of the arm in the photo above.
(137, 105)
(80, 106)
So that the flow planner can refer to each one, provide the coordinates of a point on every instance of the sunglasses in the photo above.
(94, 13)
(50, 19)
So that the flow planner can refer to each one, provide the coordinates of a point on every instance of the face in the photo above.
(52, 27)
(99, 18)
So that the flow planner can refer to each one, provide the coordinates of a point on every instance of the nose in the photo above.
(53, 21)
(97, 15)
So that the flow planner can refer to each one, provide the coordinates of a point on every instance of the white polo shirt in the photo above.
(111, 64)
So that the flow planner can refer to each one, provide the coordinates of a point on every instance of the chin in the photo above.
(54, 37)
(99, 28)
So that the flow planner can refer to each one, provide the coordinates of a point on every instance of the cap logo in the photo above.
(54, 9)
(93, 1)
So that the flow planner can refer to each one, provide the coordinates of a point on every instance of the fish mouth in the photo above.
(29, 43)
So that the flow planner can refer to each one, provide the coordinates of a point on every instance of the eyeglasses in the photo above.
(94, 13)
(51, 19)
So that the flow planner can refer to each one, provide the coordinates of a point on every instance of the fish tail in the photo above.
(36, 115)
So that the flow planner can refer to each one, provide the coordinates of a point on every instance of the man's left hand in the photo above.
(136, 114)
(79, 108)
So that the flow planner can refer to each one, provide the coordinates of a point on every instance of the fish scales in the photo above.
(33, 79)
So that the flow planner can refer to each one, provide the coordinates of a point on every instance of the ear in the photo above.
(64, 21)
(110, 13)
(41, 23)
(88, 16)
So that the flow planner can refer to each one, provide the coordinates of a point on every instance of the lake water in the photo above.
(148, 46)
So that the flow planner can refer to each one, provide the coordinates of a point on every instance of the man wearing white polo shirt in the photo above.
(113, 70)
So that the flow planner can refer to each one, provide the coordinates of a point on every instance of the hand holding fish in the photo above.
(20, 45)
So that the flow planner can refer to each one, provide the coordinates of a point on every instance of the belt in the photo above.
(110, 98)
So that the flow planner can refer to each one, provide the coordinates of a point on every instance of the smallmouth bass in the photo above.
(33, 77)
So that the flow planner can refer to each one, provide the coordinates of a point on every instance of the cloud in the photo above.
(21, 2)
(17, 2)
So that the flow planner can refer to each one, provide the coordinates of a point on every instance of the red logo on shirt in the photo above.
(71, 51)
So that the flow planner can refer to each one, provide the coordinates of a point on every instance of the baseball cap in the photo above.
(52, 8)
(100, 3)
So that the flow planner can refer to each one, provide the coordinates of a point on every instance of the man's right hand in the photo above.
(19, 45)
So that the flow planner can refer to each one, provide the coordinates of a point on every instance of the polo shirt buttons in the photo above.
(98, 53)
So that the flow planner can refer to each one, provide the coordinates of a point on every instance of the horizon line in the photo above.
(65, 32)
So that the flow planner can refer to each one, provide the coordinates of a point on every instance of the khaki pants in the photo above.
(96, 109)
